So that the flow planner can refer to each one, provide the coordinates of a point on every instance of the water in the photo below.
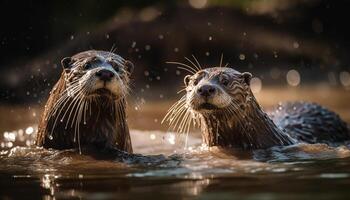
(296, 172)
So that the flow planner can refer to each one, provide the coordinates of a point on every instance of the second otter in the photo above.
(87, 104)
(220, 100)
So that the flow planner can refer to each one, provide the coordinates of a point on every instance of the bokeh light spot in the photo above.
(293, 77)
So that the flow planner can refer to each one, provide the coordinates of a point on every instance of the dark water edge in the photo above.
(299, 185)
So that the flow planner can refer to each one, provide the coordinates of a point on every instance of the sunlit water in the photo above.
(295, 172)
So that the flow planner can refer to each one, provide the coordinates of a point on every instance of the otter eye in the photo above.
(116, 69)
(224, 81)
(87, 65)
(115, 66)
(195, 82)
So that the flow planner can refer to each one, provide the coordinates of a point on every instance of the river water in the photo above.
(296, 172)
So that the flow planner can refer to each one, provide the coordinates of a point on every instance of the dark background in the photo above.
(253, 35)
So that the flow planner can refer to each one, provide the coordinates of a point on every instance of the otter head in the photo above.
(216, 89)
(97, 73)
(87, 104)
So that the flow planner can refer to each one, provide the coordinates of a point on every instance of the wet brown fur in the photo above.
(105, 125)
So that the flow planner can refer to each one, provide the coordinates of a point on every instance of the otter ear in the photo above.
(129, 66)
(247, 77)
(66, 63)
(187, 79)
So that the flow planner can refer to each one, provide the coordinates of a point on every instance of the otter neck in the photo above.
(248, 129)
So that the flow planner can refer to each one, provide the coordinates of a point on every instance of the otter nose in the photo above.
(105, 75)
(206, 90)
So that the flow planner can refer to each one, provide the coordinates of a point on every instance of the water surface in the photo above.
(295, 172)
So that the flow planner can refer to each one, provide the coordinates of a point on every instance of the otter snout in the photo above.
(208, 96)
(206, 91)
(105, 75)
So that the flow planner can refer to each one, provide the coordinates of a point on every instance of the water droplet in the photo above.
(146, 73)
(133, 44)
(295, 45)
(241, 56)
(50, 137)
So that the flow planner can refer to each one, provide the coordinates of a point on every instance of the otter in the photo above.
(220, 101)
(86, 107)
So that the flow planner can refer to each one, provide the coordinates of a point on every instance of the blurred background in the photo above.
(296, 49)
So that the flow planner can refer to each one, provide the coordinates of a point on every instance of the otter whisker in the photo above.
(174, 106)
(85, 108)
(176, 120)
(60, 100)
(72, 108)
(182, 90)
(79, 98)
(184, 67)
(176, 117)
(199, 65)
(112, 50)
(57, 117)
(77, 122)
(184, 120)
(188, 129)
(196, 67)
(221, 58)
(174, 109)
